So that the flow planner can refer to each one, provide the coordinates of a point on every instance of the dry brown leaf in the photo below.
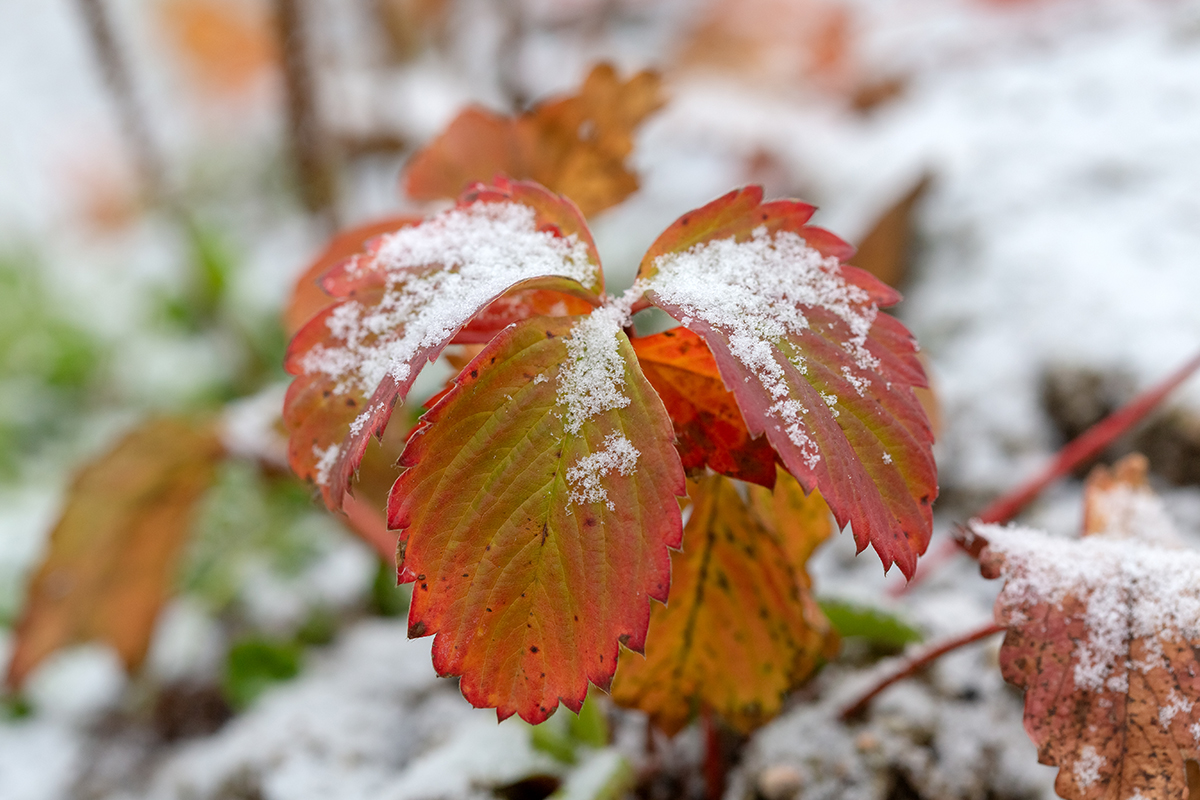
(740, 629)
(113, 553)
(575, 145)
(885, 249)
(1103, 636)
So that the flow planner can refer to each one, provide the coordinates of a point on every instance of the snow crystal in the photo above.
(618, 454)
(1176, 704)
(438, 275)
(1134, 588)
(756, 292)
(326, 458)
(593, 376)
(1087, 767)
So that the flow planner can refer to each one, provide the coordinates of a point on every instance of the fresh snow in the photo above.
(592, 378)
(1135, 588)
(585, 477)
(756, 292)
(439, 274)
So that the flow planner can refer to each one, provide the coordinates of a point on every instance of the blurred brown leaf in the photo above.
(113, 553)
(885, 251)
(574, 145)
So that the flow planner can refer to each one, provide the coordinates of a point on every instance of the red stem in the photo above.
(1083, 448)
(371, 527)
(915, 663)
(714, 760)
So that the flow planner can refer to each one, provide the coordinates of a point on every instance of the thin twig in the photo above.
(119, 81)
(312, 149)
(1078, 451)
(918, 661)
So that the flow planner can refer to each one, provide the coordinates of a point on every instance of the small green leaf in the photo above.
(254, 665)
(878, 627)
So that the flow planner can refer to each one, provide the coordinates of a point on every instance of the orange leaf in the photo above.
(225, 46)
(884, 251)
(709, 429)
(113, 553)
(1103, 636)
(741, 629)
(413, 292)
(575, 145)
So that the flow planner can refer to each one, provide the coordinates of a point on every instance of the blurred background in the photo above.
(1025, 171)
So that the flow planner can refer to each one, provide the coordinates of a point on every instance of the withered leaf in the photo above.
(113, 553)
(575, 146)
(1103, 636)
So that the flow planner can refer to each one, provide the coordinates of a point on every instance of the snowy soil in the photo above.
(1061, 227)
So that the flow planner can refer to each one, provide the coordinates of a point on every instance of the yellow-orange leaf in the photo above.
(740, 629)
(113, 553)
(575, 146)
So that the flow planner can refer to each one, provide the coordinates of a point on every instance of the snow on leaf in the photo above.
(575, 145)
(1103, 636)
(709, 429)
(536, 523)
(741, 628)
(308, 297)
(113, 553)
(799, 340)
(413, 292)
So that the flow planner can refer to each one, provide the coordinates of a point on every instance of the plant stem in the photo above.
(1079, 450)
(119, 81)
(714, 758)
(918, 661)
(312, 152)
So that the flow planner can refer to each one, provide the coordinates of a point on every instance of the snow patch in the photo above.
(584, 478)
(592, 378)
(756, 292)
(438, 275)
(1087, 767)
(1133, 588)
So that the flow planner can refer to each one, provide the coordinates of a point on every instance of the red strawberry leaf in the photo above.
(798, 339)
(1104, 637)
(538, 507)
(409, 296)
(709, 429)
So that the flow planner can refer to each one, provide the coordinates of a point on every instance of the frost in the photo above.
(584, 478)
(326, 458)
(1087, 767)
(1176, 704)
(887, 458)
(438, 275)
(756, 291)
(592, 378)
(1134, 587)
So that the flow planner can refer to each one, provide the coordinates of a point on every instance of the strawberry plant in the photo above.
(539, 498)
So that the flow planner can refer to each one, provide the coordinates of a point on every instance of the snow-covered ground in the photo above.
(1060, 227)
